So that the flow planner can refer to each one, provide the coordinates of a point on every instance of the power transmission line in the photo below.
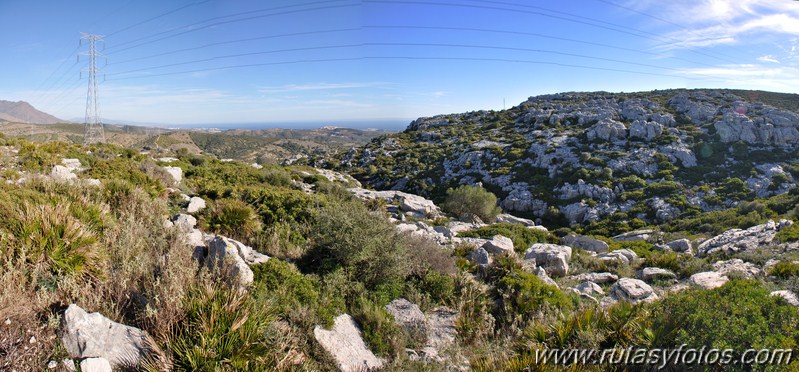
(238, 55)
(156, 17)
(596, 23)
(93, 123)
(238, 41)
(522, 50)
(250, 17)
(535, 34)
(475, 59)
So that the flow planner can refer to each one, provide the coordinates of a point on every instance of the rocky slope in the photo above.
(576, 157)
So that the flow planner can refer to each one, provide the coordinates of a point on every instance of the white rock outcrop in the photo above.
(737, 240)
(86, 335)
(345, 344)
(176, 173)
(196, 204)
(552, 257)
(708, 280)
(585, 243)
(633, 290)
(499, 245)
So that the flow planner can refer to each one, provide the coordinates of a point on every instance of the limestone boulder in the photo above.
(600, 278)
(196, 204)
(176, 173)
(344, 343)
(708, 280)
(650, 274)
(499, 245)
(552, 257)
(585, 243)
(91, 335)
(633, 290)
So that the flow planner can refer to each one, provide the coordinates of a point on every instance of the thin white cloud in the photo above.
(705, 23)
(748, 76)
(768, 58)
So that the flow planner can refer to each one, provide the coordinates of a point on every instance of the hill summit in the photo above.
(576, 157)
(23, 112)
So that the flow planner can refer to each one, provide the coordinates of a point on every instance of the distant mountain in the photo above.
(23, 112)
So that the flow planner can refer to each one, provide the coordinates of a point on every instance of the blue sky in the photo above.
(215, 61)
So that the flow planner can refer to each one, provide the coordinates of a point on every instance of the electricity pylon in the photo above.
(93, 124)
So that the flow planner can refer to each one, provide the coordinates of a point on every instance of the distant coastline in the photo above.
(396, 124)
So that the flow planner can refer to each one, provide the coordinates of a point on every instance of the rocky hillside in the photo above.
(576, 158)
(23, 112)
(115, 259)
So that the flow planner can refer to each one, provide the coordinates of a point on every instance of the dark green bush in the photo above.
(471, 200)
(366, 246)
(785, 270)
(233, 218)
(738, 315)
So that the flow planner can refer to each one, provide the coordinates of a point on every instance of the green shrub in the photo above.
(522, 236)
(366, 246)
(224, 330)
(739, 315)
(785, 270)
(471, 200)
(788, 234)
(521, 295)
(49, 238)
(378, 328)
(233, 218)
(682, 264)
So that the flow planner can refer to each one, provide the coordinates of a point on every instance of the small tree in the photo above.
(471, 200)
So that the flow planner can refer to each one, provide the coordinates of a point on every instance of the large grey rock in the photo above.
(92, 335)
(789, 297)
(708, 280)
(442, 327)
(407, 202)
(176, 173)
(185, 222)
(649, 274)
(737, 240)
(589, 288)
(95, 365)
(480, 257)
(680, 246)
(62, 173)
(637, 235)
(225, 259)
(499, 245)
(607, 130)
(633, 290)
(345, 344)
(748, 269)
(552, 257)
(196, 204)
(585, 243)
(542, 274)
(624, 256)
(409, 317)
(646, 130)
(508, 218)
(600, 278)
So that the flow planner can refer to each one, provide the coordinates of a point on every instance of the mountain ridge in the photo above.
(653, 156)
(24, 112)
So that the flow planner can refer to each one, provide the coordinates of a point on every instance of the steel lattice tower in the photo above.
(93, 124)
